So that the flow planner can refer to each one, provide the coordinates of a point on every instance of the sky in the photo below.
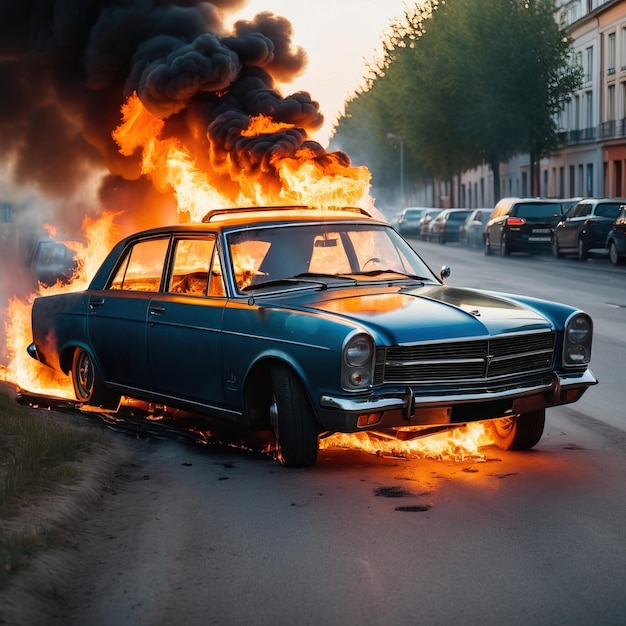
(340, 37)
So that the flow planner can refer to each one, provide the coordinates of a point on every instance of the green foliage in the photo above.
(466, 82)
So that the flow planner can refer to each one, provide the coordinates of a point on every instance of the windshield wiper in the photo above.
(322, 275)
(287, 280)
(379, 272)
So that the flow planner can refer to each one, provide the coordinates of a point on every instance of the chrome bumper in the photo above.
(408, 400)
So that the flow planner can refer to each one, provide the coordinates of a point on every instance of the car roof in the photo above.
(256, 216)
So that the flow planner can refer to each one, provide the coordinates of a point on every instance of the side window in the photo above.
(194, 271)
(142, 267)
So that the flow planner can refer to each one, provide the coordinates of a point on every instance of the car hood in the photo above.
(433, 313)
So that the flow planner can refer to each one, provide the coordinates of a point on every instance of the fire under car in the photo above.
(310, 322)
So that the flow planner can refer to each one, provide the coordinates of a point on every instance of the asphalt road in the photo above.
(215, 535)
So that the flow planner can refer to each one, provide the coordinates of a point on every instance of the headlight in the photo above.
(577, 340)
(357, 362)
(579, 329)
(358, 350)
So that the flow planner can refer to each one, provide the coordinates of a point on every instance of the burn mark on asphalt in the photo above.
(392, 492)
(413, 508)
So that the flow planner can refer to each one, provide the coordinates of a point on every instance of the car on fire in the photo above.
(310, 322)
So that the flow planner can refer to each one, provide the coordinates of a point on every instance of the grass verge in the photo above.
(37, 457)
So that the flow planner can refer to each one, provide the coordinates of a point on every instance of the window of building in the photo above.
(589, 180)
(610, 103)
(588, 69)
(610, 53)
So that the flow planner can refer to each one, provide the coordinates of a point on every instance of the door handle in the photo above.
(94, 302)
(156, 309)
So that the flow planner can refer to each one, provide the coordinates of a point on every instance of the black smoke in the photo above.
(67, 66)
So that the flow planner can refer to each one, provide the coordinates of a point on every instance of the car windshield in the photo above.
(331, 250)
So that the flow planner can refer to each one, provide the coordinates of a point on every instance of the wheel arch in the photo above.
(257, 388)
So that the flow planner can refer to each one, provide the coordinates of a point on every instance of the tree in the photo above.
(467, 82)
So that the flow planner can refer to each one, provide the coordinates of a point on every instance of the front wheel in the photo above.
(556, 251)
(88, 386)
(292, 419)
(521, 432)
(613, 254)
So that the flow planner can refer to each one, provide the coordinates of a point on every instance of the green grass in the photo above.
(36, 457)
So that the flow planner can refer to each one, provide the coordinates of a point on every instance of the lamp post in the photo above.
(399, 139)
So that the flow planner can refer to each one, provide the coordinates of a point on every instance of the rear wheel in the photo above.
(504, 246)
(583, 253)
(521, 432)
(613, 254)
(88, 386)
(487, 246)
(292, 419)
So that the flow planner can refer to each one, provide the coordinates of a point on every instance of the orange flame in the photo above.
(459, 444)
(24, 371)
(302, 179)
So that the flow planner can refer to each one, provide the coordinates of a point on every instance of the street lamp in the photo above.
(399, 139)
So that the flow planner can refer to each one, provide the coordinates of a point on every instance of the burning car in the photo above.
(309, 322)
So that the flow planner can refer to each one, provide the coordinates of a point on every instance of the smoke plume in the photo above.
(68, 66)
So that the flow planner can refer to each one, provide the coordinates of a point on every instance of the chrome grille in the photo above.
(480, 359)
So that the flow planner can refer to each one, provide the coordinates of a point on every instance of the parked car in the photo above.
(425, 220)
(616, 240)
(586, 226)
(308, 322)
(471, 232)
(521, 225)
(409, 222)
(52, 261)
(446, 226)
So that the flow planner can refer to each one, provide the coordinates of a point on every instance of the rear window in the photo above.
(459, 216)
(549, 209)
(608, 210)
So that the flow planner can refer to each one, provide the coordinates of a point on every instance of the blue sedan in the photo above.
(308, 322)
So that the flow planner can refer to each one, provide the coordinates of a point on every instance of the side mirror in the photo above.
(445, 272)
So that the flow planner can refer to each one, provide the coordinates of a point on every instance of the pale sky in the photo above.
(340, 37)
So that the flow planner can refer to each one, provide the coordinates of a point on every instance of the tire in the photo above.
(88, 386)
(504, 246)
(583, 253)
(487, 247)
(614, 256)
(292, 419)
(521, 432)
(556, 252)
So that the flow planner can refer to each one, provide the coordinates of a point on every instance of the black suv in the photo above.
(521, 225)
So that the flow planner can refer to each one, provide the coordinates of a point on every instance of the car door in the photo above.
(184, 327)
(567, 230)
(117, 315)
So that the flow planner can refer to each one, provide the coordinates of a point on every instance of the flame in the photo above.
(263, 125)
(51, 230)
(303, 178)
(459, 444)
(24, 371)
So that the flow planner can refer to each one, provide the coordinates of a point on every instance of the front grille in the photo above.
(481, 359)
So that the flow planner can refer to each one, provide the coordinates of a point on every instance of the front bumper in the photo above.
(412, 408)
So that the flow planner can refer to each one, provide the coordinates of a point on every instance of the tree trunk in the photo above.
(494, 164)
